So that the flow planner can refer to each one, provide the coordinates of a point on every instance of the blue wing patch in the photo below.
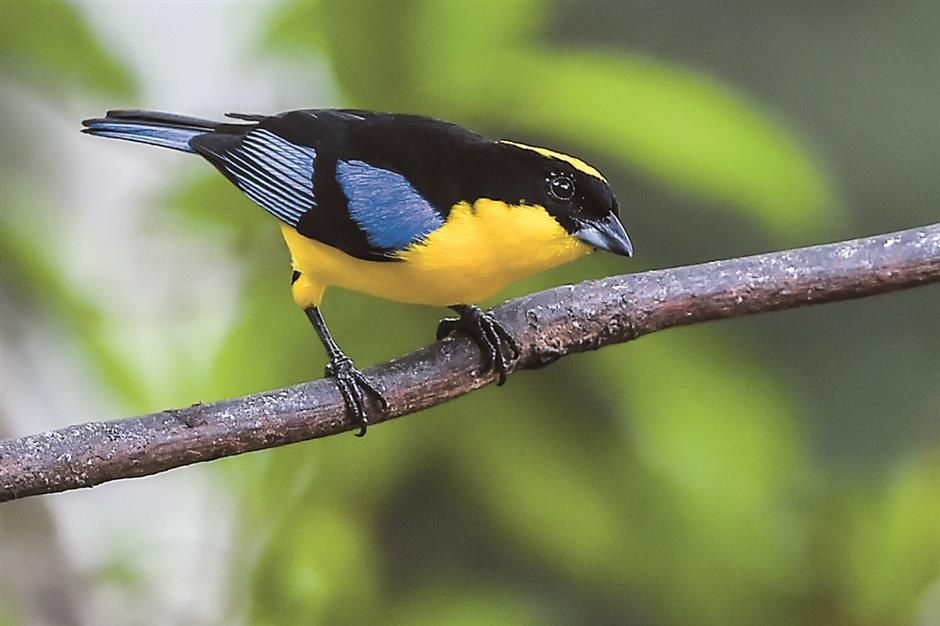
(275, 173)
(385, 206)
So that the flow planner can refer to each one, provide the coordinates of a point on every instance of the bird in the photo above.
(399, 206)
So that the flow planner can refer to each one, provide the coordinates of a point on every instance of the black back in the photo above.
(443, 162)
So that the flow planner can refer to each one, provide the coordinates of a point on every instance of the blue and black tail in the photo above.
(153, 127)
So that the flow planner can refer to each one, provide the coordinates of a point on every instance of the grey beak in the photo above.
(606, 234)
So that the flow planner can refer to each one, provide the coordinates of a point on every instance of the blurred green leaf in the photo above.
(211, 201)
(889, 554)
(322, 571)
(24, 243)
(51, 43)
(7, 617)
(290, 27)
(551, 498)
(467, 603)
(718, 435)
(683, 128)
(703, 507)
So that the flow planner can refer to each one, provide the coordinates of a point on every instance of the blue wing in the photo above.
(272, 171)
(385, 206)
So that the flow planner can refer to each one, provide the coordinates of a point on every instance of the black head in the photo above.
(572, 192)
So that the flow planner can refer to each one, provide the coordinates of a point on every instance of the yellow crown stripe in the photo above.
(578, 164)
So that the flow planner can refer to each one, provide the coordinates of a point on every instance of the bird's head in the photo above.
(576, 195)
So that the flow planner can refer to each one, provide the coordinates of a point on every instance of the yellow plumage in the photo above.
(574, 162)
(479, 250)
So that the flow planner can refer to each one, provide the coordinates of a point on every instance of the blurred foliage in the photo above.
(667, 481)
(49, 43)
(491, 64)
(890, 543)
(27, 267)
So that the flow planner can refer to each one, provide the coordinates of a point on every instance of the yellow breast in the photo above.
(479, 250)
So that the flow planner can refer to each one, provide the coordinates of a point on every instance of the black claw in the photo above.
(364, 383)
(497, 346)
(447, 326)
(514, 350)
(352, 384)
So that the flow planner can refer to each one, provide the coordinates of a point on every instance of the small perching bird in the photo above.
(403, 207)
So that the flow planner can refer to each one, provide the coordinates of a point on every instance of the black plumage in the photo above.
(444, 163)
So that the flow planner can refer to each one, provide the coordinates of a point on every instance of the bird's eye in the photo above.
(561, 187)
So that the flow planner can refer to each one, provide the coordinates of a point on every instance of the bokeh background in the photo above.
(780, 469)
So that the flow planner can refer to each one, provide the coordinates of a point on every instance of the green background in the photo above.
(781, 469)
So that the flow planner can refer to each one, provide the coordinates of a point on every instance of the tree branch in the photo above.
(548, 326)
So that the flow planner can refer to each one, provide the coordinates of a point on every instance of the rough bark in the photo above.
(548, 326)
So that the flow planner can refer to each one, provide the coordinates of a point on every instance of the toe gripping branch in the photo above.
(352, 384)
(499, 348)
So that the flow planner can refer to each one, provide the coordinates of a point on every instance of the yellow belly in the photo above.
(481, 249)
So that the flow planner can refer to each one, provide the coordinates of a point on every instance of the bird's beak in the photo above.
(606, 234)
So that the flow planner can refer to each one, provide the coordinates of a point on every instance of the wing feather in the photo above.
(274, 172)
(385, 205)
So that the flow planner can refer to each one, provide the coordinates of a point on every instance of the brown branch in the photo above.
(548, 325)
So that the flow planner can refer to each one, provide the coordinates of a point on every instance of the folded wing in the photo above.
(274, 172)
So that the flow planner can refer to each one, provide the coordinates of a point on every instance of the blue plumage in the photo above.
(157, 135)
(385, 206)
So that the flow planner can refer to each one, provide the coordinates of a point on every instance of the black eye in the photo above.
(561, 187)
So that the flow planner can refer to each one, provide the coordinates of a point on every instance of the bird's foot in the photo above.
(499, 348)
(354, 385)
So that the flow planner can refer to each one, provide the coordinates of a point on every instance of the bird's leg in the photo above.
(351, 382)
(499, 348)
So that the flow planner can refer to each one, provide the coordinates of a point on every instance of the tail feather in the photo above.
(159, 117)
(175, 138)
(151, 127)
